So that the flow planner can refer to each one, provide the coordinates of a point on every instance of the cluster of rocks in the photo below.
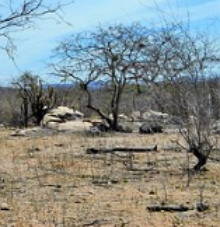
(60, 119)
(153, 122)
(64, 119)
(147, 122)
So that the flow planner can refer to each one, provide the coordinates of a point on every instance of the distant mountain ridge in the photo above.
(93, 85)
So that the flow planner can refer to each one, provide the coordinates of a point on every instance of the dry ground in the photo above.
(51, 181)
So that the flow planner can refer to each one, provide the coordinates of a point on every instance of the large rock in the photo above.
(100, 126)
(126, 128)
(74, 126)
(70, 126)
(150, 116)
(136, 116)
(59, 115)
(216, 127)
(149, 128)
(63, 118)
(121, 117)
(163, 119)
(2, 125)
(154, 115)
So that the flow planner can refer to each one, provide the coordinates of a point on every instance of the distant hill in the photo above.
(60, 85)
(93, 85)
(97, 84)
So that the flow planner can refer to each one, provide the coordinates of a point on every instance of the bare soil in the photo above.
(51, 181)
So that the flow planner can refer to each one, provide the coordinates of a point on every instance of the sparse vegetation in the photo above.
(52, 181)
(74, 165)
(37, 98)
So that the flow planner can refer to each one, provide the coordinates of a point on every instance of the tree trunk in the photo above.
(115, 107)
(90, 104)
(201, 162)
(39, 117)
(115, 121)
(202, 159)
(25, 102)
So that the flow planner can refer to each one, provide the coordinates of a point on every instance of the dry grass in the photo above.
(51, 181)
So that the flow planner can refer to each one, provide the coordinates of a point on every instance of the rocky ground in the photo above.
(49, 180)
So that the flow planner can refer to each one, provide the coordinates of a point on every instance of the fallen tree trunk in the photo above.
(121, 149)
(170, 208)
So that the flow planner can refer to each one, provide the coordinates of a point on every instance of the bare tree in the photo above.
(117, 56)
(186, 66)
(17, 15)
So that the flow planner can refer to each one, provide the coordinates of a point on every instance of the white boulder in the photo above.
(60, 115)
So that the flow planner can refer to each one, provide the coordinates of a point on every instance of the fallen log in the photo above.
(169, 208)
(121, 149)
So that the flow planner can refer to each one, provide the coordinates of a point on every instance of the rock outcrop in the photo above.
(61, 115)
(63, 118)
(155, 116)
(121, 117)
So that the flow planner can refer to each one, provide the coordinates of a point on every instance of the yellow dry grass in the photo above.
(51, 181)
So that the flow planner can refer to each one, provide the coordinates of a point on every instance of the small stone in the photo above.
(77, 201)
(19, 133)
(4, 206)
(151, 193)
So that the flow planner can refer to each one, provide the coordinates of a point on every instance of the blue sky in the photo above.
(34, 46)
